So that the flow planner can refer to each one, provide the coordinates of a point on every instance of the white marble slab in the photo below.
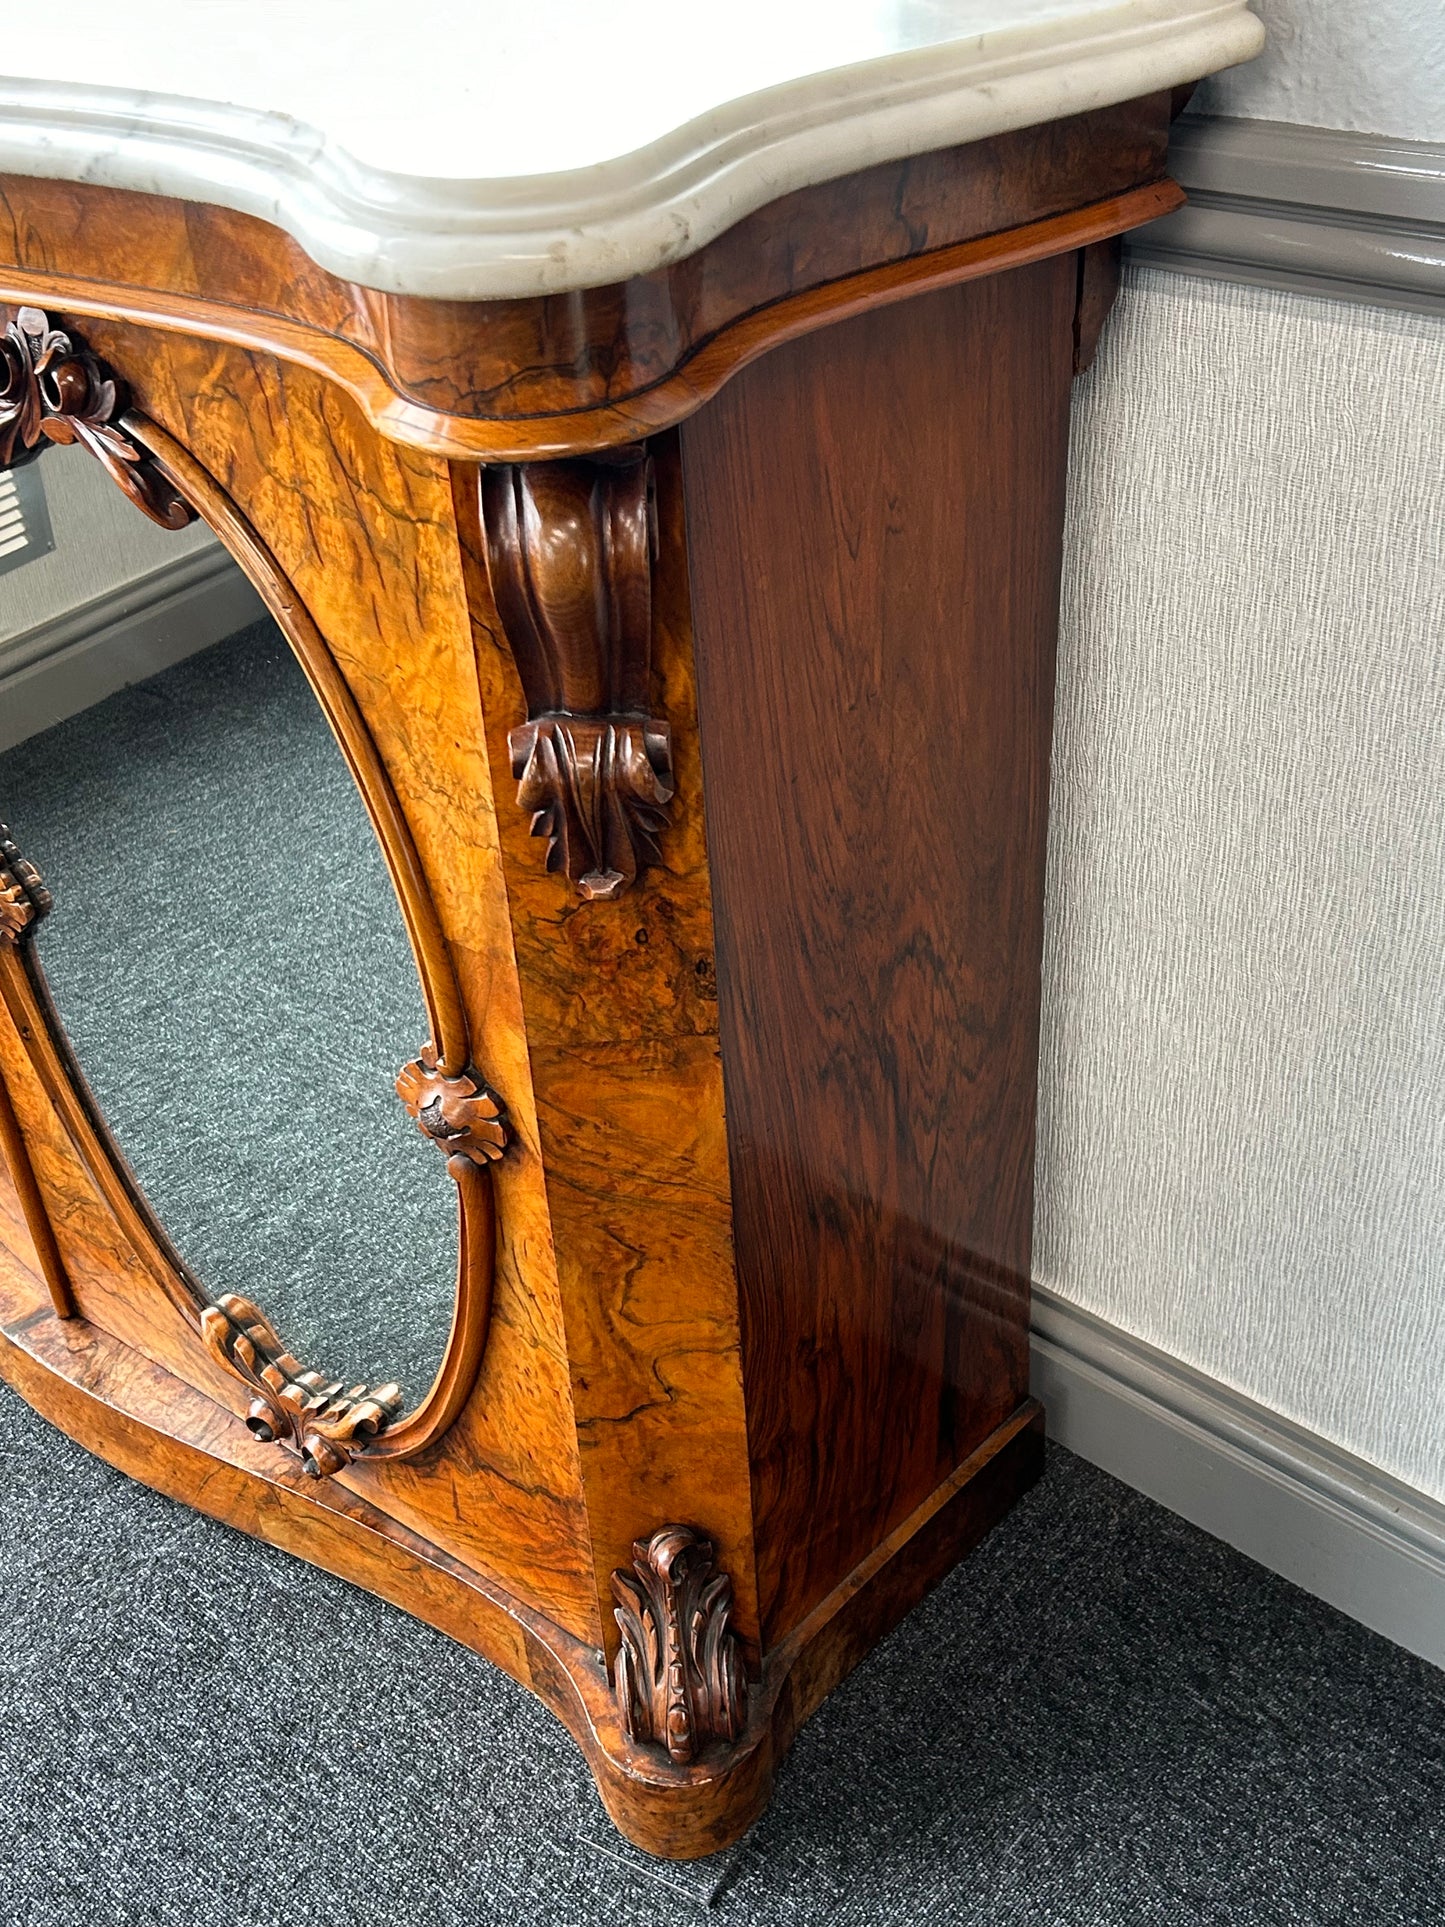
(476, 149)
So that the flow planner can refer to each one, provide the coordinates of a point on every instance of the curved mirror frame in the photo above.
(52, 389)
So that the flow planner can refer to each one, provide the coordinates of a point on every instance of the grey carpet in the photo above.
(1103, 1719)
(228, 954)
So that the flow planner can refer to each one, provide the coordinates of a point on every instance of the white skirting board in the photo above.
(1330, 1523)
(63, 666)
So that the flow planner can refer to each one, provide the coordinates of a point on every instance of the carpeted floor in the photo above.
(1104, 1719)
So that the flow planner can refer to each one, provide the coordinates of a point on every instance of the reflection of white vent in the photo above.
(24, 520)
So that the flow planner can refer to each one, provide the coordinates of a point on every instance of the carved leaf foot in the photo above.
(679, 1680)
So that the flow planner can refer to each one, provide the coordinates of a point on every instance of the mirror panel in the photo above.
(228, 956)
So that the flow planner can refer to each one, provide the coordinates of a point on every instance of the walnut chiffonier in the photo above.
(648, 427)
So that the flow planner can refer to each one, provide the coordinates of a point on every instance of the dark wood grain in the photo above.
(875, 520)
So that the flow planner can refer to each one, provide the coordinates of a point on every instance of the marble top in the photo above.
(476, 149)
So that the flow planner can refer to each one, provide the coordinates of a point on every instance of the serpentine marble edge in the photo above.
(490, 151)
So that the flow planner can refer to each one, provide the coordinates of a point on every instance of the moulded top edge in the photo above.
(488, 152)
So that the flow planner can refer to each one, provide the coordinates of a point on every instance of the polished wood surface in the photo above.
(678, 1677)
(875, 521)
(570, 552)
(738, 1094)
(562, 374)
(620, 1002)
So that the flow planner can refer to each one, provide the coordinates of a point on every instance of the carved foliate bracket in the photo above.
(52, 389)
(679, 1680)
(24, 899)
(570, 547)
(459, 1113)
(326, 1426)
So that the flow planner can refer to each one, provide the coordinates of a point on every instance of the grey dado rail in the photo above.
(1360, 217)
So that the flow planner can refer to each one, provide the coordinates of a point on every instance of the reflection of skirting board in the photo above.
(64, 665)
(1330, 1523)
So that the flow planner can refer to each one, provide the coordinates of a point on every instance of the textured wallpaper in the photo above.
(1242, 1118)
(1374, 66)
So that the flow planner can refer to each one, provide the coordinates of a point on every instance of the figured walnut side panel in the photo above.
(570, 549)
(876, 731)
(365, 532)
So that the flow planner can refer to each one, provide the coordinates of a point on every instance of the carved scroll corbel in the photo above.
(324, 1425)
(678, 1680)
(570, 547)
(52, 389)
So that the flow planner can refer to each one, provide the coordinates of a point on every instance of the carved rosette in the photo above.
(326, 1426)
(24, 899)
(679, 1680)
(460, 1114)
(570, 548)
(52, 389)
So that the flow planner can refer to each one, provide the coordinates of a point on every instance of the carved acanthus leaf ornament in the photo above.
(52, 389)
(678, 1681)
(570, 548)
(326, 1425)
